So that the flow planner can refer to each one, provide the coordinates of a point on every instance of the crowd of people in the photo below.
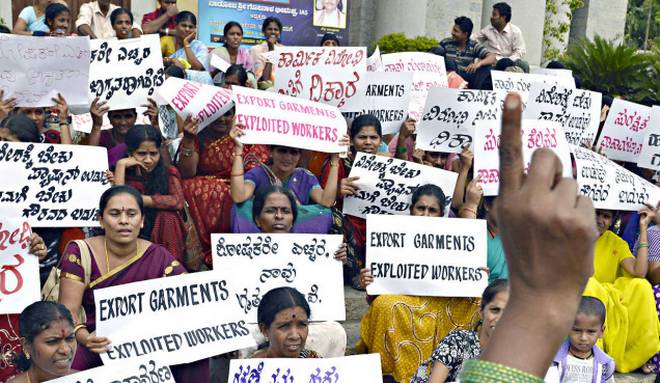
(166, 201)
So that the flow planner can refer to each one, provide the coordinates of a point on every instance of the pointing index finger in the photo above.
(511, 159)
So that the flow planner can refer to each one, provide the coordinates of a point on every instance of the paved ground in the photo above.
(356, 306)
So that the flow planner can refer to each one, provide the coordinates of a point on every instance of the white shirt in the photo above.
(507, 44)
(578, 370)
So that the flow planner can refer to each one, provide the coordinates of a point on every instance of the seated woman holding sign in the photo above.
(632, 328)
(231, 51)
(117, 257)
(48, 341)
(160, 185)
(412, 325)
(314, 215)
(112, 139)
(366, 136)
(459, 346)
(184, 50)
(275, 210)
(205, 162)
(283, 317)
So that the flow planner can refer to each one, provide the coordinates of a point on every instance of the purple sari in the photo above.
(154, 262)
(312, 218)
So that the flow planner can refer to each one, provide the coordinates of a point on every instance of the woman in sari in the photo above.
(653, 276)
(46, 330)
(205, 163)
(632, 328)
(145, 170)
(185, 51)
(283, 317)
(275, 210)
(366, 136)
(314, 202)
(112, 139)
(231, 51)
(117, 257)
(404, 329)
(263, 69)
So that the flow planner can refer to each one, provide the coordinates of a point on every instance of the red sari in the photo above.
(208, 194)
(9, 345)
(167, 228)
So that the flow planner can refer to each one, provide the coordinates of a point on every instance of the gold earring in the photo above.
(27, 355)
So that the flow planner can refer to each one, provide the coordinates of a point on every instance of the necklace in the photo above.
(28, 377)
(107, 255)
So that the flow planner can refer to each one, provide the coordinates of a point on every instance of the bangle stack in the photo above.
(642, 245)
(78, 327)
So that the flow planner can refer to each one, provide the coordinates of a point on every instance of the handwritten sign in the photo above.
(143, 370)
(219, 63)
(258, 263)
(321, 74)
(611, 186)
(206, 103)
(375, 62)
(650, 155)
(36, 69)
(426, 256)
(83, 122)
(450, 116)
(429, 72)
(187, 310)
(576, 110)
(522, 82)
(386, 185)
(52, 185)
(384, 95)
(19, 270)
(623, 133)
(125, 72)
(535, 134)
(355, 368)
(276, 119)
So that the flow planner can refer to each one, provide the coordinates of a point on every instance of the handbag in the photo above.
(51, 289)
(193, 256)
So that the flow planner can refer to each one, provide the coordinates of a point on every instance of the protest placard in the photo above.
(611, 186)
(125, 72)
(375, 62)
(276, 119)
(429, 72)
(355, 368)
(36, 69)
(650, 155)
(577, 110)
(329, 75)
(219, 63)
(196, 314)
(384, 95)
(386, 185)
(19, 270)
(535, 134)
(450, 116)
(52, 185)
(83, 122)
(139, 370)
(567, 74)
(622, 137)
(426, 256)
(522, 82)
(257, 263)
(206, 103)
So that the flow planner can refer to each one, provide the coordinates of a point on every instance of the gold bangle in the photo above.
(470, 210)
(234, 155)
(237, 175)
(334, 164)
(78, 327)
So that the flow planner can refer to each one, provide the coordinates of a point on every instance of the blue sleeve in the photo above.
(28, 15)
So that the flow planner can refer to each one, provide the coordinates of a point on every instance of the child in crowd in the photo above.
(579, 360)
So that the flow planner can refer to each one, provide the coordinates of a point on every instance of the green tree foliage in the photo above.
(398, 42)
(637, 17)
(615, 69)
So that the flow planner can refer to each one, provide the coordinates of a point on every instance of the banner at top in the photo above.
(303, 21)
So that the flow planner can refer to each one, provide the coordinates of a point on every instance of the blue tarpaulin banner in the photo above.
(304, 21)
